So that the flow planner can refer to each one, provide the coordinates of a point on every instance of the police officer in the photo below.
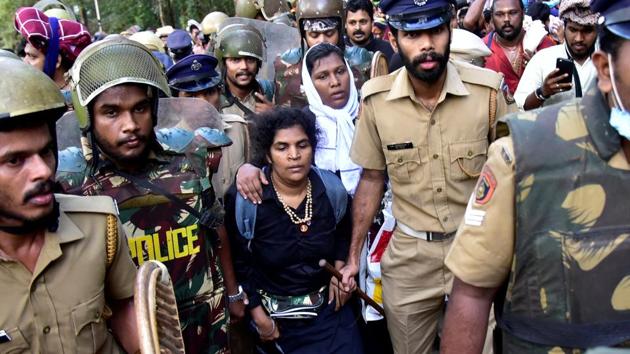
(427, 126)
(179, 44)
(196, 76)
(547, 217)
(162, 187)
(64, 262)
(241, 51)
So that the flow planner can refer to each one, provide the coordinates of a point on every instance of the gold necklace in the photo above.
(304, 222)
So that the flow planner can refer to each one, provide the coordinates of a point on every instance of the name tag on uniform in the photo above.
(4, 337)
(400, 146)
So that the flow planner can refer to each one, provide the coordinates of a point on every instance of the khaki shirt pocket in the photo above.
(17, 344)
(467, 158)
(90, 327)
(403, 165)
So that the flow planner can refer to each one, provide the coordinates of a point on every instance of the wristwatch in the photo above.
(238, 297)
(539, 94)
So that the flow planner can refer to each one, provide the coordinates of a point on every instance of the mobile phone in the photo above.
(566, 67)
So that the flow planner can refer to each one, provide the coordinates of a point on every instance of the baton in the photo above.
(334, 272)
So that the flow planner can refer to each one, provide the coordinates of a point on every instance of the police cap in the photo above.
(194, 73)
(415, 15)
(615, 15)
(178, 40)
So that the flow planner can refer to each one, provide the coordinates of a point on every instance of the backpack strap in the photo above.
(245, 213)
(335, 192)
(245, 210)
(489, 42)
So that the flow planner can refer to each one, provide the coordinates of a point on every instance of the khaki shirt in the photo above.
(234, 156)
(432, 157)
(249, 101)
(59, 307)
(483, 249)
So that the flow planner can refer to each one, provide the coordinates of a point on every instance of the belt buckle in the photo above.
(437, 236)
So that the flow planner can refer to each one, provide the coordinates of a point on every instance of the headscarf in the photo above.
(578, 11)
(65, 37)
(336, 128)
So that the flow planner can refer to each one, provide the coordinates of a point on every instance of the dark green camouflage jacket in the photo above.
(569, 287)
(159, 229)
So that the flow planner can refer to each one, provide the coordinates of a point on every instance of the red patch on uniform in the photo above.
(485, 186)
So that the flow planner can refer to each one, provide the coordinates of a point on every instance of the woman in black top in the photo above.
(296, 225)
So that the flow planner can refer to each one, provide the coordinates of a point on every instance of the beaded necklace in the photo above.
(305, 222)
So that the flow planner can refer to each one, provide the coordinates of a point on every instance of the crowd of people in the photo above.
(461, 162)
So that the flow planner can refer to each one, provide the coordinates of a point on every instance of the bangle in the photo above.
(273, 329)
(539, 95)
(237, 297)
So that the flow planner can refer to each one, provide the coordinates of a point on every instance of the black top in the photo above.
(376, 44)
(283, 260)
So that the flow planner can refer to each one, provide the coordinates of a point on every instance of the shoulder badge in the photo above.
(485, 186)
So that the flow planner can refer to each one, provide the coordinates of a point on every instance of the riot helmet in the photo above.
(28, 93)
(240, 40)
(321, 14)
(109, 63)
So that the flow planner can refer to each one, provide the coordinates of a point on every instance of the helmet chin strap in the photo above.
(49, 222)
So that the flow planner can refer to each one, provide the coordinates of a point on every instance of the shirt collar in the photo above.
(596, 113)
(402, 85)
(66, 232)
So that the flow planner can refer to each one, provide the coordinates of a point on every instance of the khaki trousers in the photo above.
(415, 283)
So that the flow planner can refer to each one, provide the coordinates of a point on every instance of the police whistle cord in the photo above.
(334, 272)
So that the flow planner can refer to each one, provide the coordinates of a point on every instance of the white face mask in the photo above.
(619, 117)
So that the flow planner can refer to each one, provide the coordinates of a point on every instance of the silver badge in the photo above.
(195, 66)
(420, 2)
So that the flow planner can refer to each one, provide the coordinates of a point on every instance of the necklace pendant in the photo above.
(303, 228)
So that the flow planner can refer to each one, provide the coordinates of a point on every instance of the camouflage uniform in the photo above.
(170, 235)
(288, 77)
(157, 227)
(556, 224)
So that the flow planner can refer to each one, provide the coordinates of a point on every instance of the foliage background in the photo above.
(118, 15)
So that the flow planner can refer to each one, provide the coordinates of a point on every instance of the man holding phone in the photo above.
(550, 77)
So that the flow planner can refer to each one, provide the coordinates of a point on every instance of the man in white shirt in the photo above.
(541, 83)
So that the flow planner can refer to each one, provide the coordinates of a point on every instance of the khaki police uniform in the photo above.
(61, 306)
(249, 101)
(510, 198)
(432, 159)
(483, 249)
(233, 156)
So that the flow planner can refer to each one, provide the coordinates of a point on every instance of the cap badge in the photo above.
(420, 2)
(195, 66)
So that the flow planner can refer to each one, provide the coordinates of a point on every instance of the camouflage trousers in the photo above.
(204, 325)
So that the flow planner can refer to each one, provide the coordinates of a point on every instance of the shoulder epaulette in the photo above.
(378, 84)
(479, 76)
(233, 118)
(80, 204)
